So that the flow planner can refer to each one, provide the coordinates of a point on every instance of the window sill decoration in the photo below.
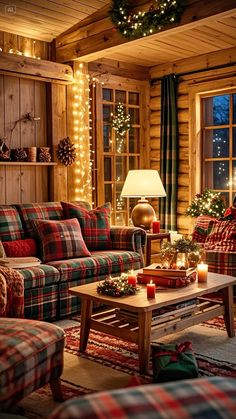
(208, 203)
(135, 25)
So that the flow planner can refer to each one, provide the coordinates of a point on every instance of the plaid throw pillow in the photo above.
(10, 224)
(202, 228)
(95, 224)
(59, 239)
(222, 236)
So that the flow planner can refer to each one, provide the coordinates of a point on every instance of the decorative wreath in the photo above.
(116, 287)
(139, 24)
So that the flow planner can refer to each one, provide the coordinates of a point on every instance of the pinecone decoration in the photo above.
(18, 154)
(44, 155)
(66, 153)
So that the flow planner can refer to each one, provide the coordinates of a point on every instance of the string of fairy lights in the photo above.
(25, 53)
(81, 111)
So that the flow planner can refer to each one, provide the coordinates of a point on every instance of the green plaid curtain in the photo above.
(169, 151)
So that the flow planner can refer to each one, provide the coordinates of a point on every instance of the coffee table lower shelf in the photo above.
(125, 325)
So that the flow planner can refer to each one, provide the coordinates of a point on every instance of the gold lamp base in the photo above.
(143, 214)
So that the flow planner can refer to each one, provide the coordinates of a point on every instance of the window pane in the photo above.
(234, 142)
(120, 96)
(107, 110)
(234, 109)
(216, 143)
(107, 168)
(216, 110)
(234, 175)
(225, 196)
(134, 143)
(108, 193)
(134, 116)
(133, 163)
(120, 219)
(107, 95)
(120, 169)
(133, 98)
(107, 142)
(120, 202)
(217, 175)
(120, 143)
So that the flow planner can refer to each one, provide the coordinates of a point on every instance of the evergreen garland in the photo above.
(208, 203)
(139, 24)
(116, 287)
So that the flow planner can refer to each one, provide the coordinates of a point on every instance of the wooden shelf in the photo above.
(26, 163)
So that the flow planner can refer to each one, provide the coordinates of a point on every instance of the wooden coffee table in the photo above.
(139, 324)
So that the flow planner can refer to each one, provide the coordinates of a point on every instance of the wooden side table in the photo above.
(152, 237)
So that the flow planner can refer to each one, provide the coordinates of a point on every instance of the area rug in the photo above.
(110, 363)
(123, 355)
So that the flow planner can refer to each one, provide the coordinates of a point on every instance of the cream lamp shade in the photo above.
(143, 184)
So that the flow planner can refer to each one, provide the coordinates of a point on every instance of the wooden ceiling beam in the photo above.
(119, 68)
(18, 64)
(96, 34)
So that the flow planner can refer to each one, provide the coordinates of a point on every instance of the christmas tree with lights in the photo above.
(121, 124)
(208, 203)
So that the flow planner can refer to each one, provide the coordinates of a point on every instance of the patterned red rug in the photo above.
(123, 355)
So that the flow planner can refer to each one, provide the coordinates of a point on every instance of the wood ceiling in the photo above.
(44, 19)
(203, 37)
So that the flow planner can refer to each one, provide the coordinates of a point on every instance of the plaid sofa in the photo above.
(213, 397)
(46, 295)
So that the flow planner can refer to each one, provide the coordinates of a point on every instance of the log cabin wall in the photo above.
(44, 98)
(188, 83)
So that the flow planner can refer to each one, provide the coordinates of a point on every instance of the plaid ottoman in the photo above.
(31, 355)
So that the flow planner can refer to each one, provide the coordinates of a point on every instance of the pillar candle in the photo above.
(132, 278)
(202, 270)
(151, 289)
(156, 226)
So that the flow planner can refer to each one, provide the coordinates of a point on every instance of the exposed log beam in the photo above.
(18, 64)
(96, 36)
(201, 62)
(106, 66)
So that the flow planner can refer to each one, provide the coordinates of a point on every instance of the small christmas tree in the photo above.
(208, 203)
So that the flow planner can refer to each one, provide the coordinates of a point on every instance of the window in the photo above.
(114, 158)
(219, 144)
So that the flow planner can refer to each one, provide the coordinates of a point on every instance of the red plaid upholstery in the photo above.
(45, 210)
(95, 224)
(202, 228)
(10, 224)
(31, 355)
(221, 262)
(212, 397)
(222, 236)
(60, 239)
(20, 248)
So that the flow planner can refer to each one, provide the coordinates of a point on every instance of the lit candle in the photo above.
(202, 270)
(156, 226)
(151, 289)
(132, 279)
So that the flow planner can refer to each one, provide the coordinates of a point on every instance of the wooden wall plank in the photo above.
(42, 184)
(40, 110)
(28, 184)
(27, 128)
(12, 111)
(57, 98)
(13, 185)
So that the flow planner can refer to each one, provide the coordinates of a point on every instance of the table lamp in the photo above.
(143, 184)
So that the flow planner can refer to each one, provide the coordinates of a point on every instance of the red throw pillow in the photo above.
(59, 239)
(222, 236)
(20, 248)
(95, 224)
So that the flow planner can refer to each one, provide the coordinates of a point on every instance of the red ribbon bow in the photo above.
(182, 347)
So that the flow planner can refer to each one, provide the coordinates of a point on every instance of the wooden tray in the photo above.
(154, 271)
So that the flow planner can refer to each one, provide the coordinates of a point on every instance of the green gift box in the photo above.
(173, 362)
